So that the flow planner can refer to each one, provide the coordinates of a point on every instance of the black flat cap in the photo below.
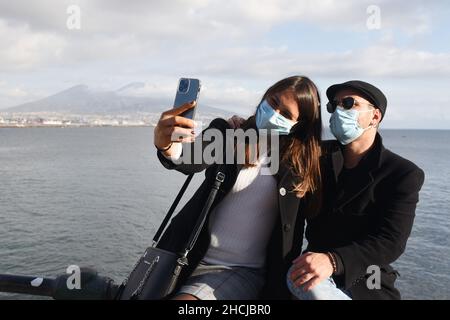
(368, 91)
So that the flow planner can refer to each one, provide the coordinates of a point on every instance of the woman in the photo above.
(256, 224)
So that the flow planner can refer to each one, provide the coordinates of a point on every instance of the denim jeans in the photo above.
(326, 290)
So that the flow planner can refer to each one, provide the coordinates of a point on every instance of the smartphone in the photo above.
(188, 90)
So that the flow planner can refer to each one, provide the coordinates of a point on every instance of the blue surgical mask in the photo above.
(344, 125)
(267, 118)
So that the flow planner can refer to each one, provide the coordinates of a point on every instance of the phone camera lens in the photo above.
(184, 86)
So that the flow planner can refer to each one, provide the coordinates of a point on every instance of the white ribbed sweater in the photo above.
(243, 221)
(241, 224)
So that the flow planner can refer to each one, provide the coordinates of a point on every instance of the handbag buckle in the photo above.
(183, 261)
(220, 177)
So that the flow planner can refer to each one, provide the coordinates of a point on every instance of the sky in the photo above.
(237, 48)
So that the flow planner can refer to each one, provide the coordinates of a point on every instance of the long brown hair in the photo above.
(301, 149)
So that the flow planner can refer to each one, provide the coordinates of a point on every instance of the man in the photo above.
(370, 197)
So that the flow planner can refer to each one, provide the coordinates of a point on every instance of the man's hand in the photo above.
(310, 269)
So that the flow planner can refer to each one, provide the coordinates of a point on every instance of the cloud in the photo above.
(231, 45)
(22, 49)
(380, 60)
(228, 95)
(38, 36)
(109, 15)
(231, 97)
(147, 90)
(12, 95)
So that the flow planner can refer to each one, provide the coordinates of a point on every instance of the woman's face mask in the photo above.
(268, 118)
(345, 126)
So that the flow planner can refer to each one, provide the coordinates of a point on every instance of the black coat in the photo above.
(286, 240)
(370, 222)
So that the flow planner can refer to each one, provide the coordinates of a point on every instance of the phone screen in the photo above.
(188, 90)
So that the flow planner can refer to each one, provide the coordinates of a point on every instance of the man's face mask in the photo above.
(268, 118)
(345, 126)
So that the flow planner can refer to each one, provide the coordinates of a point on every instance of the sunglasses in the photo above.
(346, 103)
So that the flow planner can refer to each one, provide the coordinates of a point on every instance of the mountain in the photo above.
(131, 86)
(81, 99)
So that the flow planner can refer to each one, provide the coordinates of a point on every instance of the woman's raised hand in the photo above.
(172, 128)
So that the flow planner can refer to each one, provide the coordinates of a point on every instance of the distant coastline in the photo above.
(67, 120)
(74, 126)
(153, 125)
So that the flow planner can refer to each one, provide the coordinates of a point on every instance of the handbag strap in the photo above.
(219, 179)
(171, 210)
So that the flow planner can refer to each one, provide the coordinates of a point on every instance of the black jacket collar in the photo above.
(368, 164)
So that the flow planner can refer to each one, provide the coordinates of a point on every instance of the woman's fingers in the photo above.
(236, 122)
(183, 122)
(179, 110)
(177, 133)
(182, 139)
(239, 120)
(177, 121)
(174, 129)
(231, 123)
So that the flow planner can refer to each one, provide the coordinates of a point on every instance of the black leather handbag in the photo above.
(155, 274)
